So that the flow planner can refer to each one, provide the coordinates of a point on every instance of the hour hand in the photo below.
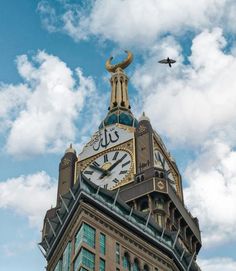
(99, 169)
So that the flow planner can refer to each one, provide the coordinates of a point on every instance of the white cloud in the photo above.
(12, 100)
(194, 106)
(190, 103)
(137, 23)
(29, 195)
(47, 105)
(211, 192)
(218, 264)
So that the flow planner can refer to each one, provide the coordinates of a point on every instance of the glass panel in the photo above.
(66, 258)
(58, 266)
(85, 258)
(85, 234)
(102, 265)
(79, 238)
(89, 235)
(78, 261)
(88, 259)
(102, 241)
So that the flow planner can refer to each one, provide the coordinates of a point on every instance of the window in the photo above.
(85, 258)
(136, 265)
(58, 266)
(117, 253)
(102, 241)
(126, 262)
(89, 235)
(66, 258)
(85, 234)
(102, 265)
(145, 268)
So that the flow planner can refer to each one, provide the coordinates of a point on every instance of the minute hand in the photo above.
(115, 164)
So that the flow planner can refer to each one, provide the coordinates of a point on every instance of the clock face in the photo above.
(109, 169)
(160, 162)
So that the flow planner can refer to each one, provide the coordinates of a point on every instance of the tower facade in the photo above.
(120, 203)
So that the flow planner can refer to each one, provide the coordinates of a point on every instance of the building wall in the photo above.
(137, 249)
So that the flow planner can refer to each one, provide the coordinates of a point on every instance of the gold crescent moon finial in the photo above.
(125, 63)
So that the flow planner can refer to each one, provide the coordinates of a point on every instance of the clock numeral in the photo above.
(115, 155)
(96, 164)
(115, 180)
(88, 172)
(105, 186)
(105, 158)
(123, 172)
(126, 163)
(123, 157)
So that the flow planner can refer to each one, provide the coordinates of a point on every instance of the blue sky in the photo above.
(54, 90)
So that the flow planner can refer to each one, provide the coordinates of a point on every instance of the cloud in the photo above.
(217, 264)
(193, 105)
(211, 192)
(12, 100)
(29, 195)
(46, 106)
(191, 102)
(136, 23)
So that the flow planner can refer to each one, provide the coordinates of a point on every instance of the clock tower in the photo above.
(120, 203)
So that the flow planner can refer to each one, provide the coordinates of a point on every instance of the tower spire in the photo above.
(119, 83)
(119, 109)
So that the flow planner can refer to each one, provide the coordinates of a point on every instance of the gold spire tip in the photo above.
(125, 63)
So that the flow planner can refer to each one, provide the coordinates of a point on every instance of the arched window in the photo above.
(136, 265)
(126, 262)
(145, 268)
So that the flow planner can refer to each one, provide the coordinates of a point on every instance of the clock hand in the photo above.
(116, 163)
(99, 169)
(108, 171)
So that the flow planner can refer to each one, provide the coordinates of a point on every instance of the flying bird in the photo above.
(167, 61)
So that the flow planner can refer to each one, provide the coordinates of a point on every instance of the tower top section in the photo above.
(119, 109)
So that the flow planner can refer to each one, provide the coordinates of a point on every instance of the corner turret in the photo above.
(66, 172)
